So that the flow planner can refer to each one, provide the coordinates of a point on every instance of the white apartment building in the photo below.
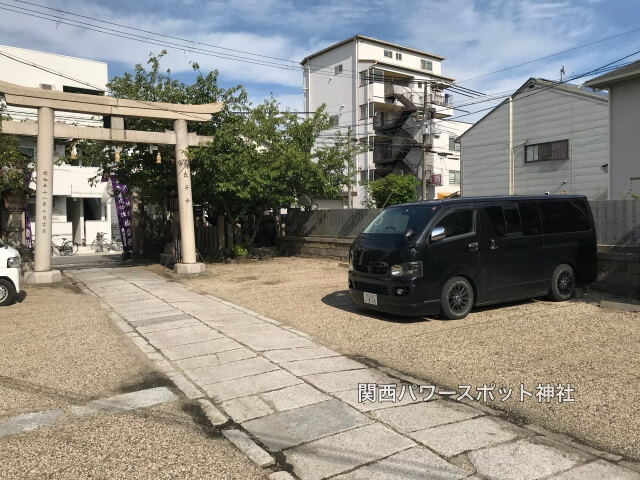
(79, 210)
(392, 99)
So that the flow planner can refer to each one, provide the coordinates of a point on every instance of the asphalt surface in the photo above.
(58, 349)
(535, 342)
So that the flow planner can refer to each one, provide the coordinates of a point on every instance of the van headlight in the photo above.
(13, 262)
(409, 269)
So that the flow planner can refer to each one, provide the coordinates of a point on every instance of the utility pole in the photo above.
(427, 136)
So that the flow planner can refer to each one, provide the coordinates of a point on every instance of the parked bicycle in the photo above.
(67, 248)
(101, 244)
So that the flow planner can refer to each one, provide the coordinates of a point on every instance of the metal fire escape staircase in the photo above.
(402, 141)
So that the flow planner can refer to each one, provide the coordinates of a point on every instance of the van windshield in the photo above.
(395, 220)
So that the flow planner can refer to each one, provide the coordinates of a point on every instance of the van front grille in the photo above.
(380, 268)
(371, 288)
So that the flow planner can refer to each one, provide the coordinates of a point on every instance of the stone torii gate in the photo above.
(45, 129)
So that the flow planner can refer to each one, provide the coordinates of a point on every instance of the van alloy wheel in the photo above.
(7, 292)
(4, 293)
(565, 283)
(457, 298)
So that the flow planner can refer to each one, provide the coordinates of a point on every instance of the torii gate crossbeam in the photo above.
(47, 102)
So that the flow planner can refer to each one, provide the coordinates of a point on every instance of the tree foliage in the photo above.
(260, 157)
(393, 189)
(14, 165)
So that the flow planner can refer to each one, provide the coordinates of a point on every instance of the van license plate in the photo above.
(370, 298)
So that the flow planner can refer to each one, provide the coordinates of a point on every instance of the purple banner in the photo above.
(123, 209)
(27, 224)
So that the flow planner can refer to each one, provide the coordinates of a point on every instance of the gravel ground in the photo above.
(59, 348)
(594, 349)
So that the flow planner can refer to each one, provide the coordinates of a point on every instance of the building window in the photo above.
(377, 76)
(540, 152)
(333, 120)
(364, 78)
(426, 65)
(363, 111)
(398, 56)
(388, 53)
(452, 143)
(338, 69)
(454, 177)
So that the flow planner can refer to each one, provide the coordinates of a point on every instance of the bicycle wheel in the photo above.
(96, 246)
(70, 248)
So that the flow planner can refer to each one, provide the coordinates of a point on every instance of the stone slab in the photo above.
(625, 307)
(159, 326)
(188, 389)
(231, 371)
(411, 464)
(259, 326)
(292, 397)
(182, 336)
(348, 380)
(152, 314)
(28, 421)
(39, 278)
(195, 349)
(338, 453)
(352, 398)
(281, 476)
(286, 429)
(524, 460)
(322, 365)
(247, 446)
(259, 342)
(295, 354)
(127, 401)
(213, 414)
(455, 438)
(235, 318)
(423, 415)
(246, 408)
(598, 470)
(242, 387)
(215, 358)
(189, 268)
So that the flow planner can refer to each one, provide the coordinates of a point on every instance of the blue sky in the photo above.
(476, 37)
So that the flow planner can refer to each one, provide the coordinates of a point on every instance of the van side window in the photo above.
(457, 223)
(564, 216)
(494, 212)
(530, 218)
(512, 219)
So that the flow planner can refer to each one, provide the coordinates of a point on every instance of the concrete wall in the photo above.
(625, 159)
(540, 115)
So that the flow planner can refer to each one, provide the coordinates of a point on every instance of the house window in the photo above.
(388, 53)
(540, 152)
(426, 65)
(338, 69)
(377, 76)
(453, 145)
(364, 78)
(398, 56)
(454, 177)
(363, 111)
(333, 120)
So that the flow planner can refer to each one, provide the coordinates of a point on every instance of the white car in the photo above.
(9, 274)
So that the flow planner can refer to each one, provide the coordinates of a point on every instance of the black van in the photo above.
(449, 255)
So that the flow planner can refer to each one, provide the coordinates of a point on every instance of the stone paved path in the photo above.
(277, 394)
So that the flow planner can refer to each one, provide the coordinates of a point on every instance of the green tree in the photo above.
(14, 165)
(393, 189)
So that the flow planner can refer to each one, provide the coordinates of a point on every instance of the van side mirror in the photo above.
(437, 234)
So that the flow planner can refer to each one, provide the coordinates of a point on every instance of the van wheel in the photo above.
(7, 292)
(563, 283)
(456, 299)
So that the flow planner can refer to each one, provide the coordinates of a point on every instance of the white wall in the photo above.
(60, 71)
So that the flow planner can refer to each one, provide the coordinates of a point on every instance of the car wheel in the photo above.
(7, 292)
(563, 283)
(456, 298)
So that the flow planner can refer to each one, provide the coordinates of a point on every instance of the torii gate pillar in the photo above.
(183, 173)
(44, 201)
